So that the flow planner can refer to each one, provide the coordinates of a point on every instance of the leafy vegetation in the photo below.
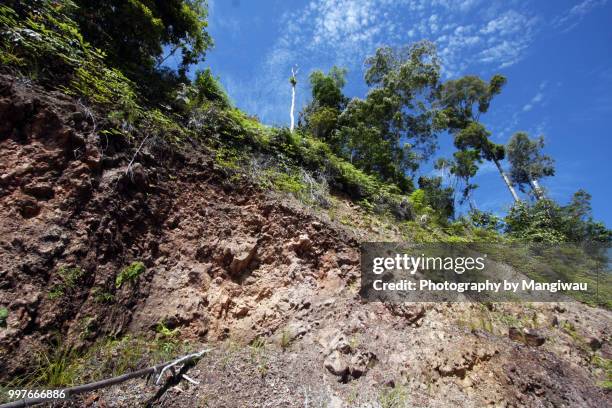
(69, 277)
(129, 274)
(3, 316)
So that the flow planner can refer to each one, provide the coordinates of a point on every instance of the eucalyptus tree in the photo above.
(320, 116)
(463, 101)
(393, 129)
(528, 163)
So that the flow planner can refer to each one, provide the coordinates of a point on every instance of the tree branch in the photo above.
(79, 389)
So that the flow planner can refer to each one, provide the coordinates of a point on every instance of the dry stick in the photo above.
(136, 154)
(79, 389)
(180, 360)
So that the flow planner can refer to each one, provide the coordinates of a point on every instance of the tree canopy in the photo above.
(528, 163)
(135, 34)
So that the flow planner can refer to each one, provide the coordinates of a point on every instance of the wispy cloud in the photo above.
(537, 98)
(469, 35)
(574, 16)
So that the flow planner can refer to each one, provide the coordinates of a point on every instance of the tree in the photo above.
(465, 166)
(293, 82)
(547, 221)
(463, 101)
(135, 33)
(390, 131)
(327, 89)
(528, 164)
(437, 197)
(320, 116)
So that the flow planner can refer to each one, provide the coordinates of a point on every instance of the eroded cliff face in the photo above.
(227, 263)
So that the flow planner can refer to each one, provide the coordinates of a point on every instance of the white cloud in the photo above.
(574, 16)
(345, 32)
(536, 99)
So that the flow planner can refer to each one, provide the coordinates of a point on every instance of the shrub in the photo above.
(208, 88)
(41, 40)
(69, 278)
(129, 273)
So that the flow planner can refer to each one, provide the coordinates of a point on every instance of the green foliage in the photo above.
(485, 220)
(418, 200)
(69, 277)
(392, 130)
(41, 40)
(3, 316)
(206, 87)
(327, 89)
(130, 273)
(527, 162)
(604, 364)
(461, 102)
(165, 332)
(440, 199)
(287, 182)
(322, 123)
(547, 221)
(101, 296)
(135, 32)
(154, 122)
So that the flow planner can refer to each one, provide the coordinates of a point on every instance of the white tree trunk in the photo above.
(537, 190)
(507, 181)
(293, 81)
(292, 107)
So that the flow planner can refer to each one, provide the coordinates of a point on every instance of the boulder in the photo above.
(240, 254)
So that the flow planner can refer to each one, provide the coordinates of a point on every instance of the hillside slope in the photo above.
(172, 247)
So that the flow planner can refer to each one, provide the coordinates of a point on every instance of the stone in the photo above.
(336, 364)
(241, 254)
(525, 336)
(594, 343)
(42, 191)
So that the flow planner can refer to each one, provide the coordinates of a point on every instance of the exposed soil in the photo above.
(227, 263)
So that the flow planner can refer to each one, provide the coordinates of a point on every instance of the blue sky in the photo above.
(557, 56)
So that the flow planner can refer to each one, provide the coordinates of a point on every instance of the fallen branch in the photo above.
(79, 389)
(129, 167)
(180, 360)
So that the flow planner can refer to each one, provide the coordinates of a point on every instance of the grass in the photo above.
(3, 316)
(604, 364)
(285, 339)
(395, 397)
(63, 366)
(129, 274)
(257, 349)
(69, 277)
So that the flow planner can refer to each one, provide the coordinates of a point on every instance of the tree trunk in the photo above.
(507, 181)
(537, 190)
(292, 106)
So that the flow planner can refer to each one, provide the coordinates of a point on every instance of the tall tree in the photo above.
(293, 82)
(320, 116)
(528, 163)
(463, 101)
(390, 131)
(464, 166)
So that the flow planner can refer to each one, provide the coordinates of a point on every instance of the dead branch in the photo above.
(180, 360)
(80, 389)
(129, 167)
